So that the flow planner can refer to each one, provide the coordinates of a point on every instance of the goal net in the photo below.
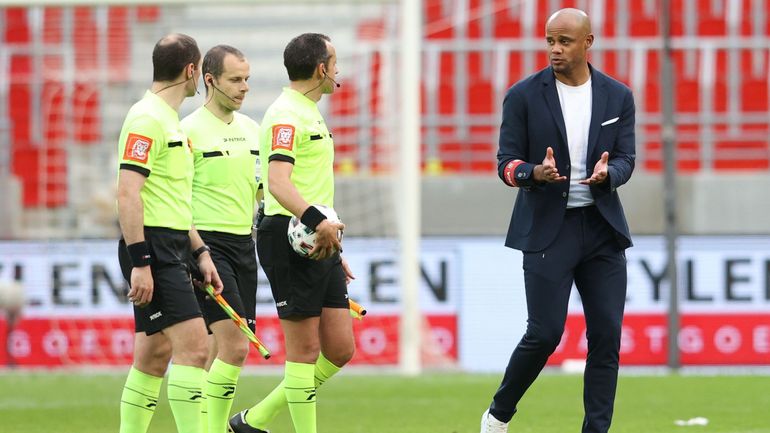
(73, 72)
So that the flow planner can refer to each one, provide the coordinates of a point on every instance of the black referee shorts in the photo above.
(236, 260)
(173, 298)
(301, 287)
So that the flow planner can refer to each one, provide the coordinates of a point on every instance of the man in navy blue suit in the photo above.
(567, 143)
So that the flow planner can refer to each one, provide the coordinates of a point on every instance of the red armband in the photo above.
(510, 171)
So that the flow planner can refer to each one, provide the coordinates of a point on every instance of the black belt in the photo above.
(582, 209)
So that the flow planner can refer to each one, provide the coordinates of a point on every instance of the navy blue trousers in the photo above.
(586, 252)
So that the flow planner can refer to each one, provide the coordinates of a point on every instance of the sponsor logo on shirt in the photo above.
(283, 137)
(137, 148)
(233, 139)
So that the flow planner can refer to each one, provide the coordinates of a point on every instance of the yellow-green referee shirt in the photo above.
(294, 131)
(224, 187)
(153, 144)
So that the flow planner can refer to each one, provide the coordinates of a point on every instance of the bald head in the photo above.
(172, 53)
(568, 36)
(570, 18)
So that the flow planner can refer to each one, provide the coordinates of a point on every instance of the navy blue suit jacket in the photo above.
(533, 121)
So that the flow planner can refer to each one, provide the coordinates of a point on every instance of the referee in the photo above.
(297, 154)
(224, 194)
(154, 210)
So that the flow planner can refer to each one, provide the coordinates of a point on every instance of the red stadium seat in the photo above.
(86, 113)
(742, 155)
(711, 23)
(148, 14)
(754, 87)
(16, 25)
(642, 23)
(53, 25)
(85, 37)
(474, 27)
(19, 104)
(53, 113)
(479, 88)
(43, 174)
(20, 99)
(506, 22)
(446, 84)
(686, 85)
(118, 43)
(438, 22)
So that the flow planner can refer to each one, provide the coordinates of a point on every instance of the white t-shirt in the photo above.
(576, 104)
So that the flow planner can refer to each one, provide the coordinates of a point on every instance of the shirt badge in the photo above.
(283, 137)
(137, 148)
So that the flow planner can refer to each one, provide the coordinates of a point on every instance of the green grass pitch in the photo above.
(69, 402)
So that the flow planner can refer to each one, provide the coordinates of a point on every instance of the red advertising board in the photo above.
(704, 339)
(63, 342)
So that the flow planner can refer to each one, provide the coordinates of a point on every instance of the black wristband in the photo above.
(312, 217)
(139, 253)
(197, 253)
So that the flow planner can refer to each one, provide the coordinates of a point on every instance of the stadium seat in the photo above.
(345, 103)
(446, 84)
(53, 25)
(85, 38)
(642, 22)
(16, 25)
(43, 176)
(742, 155)
(20, 99)
(754, 86)
(479, 88)
(506, 21)
(118, 43)
(437, 19)
(686, 85)
(688, 156)
(86, 113)
(711, 22)
(148, 14)
(19, 106)
(54, 112)
(474, 27)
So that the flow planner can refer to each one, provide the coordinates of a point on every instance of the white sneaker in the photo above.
(490, 424)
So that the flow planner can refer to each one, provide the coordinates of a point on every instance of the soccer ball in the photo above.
(11, 296)
(301, 238)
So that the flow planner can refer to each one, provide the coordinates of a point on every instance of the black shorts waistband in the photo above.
(224, 236)
(277, 217)
(161, 231)
(166, 230)
(274, 222)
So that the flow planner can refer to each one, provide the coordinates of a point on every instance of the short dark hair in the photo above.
(304, 53)
(214, 60)
(171, 54)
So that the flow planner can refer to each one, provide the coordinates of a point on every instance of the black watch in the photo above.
(197, 253)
